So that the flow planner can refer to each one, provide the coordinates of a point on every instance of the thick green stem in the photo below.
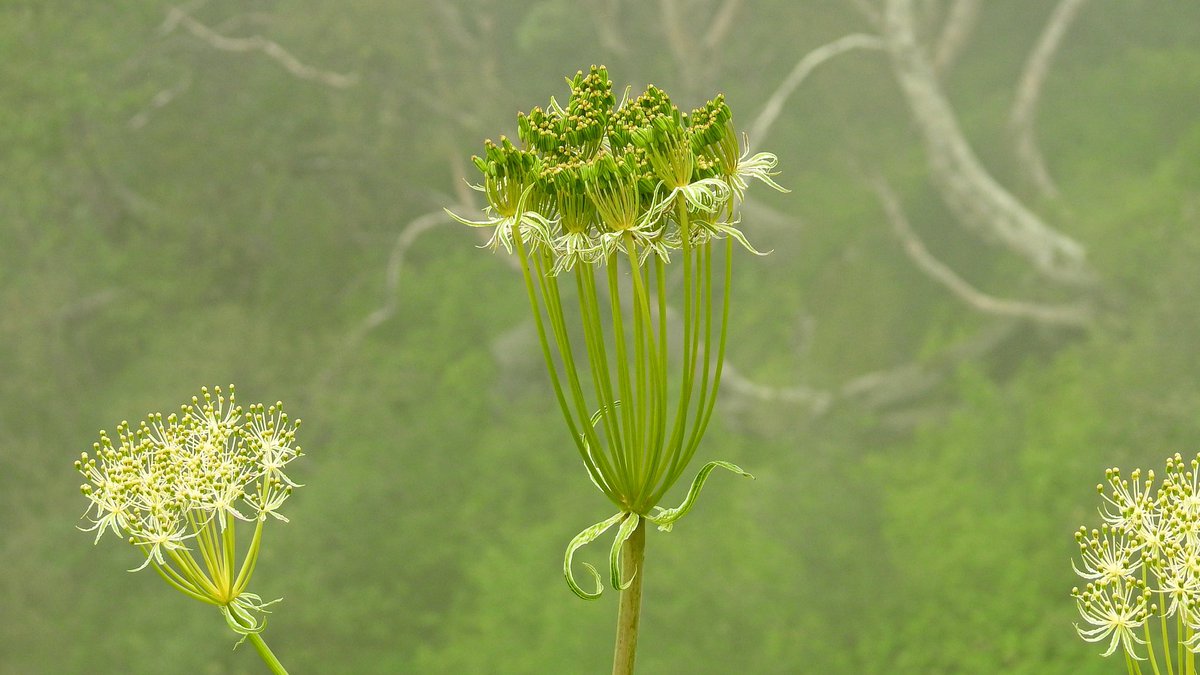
(630, 612)
(267, 655)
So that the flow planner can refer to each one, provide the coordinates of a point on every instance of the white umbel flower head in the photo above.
(1130, 503)
(1108, 554)
(176, 486)
(1114, 611)
(1143, 566)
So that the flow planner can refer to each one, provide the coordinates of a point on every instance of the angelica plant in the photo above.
(597, 200)
(176, 488)
(1142, 569)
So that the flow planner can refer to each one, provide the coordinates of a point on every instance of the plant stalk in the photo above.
(267, 655)
(630, 613)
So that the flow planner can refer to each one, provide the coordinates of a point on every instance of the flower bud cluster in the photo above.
(1144, 560)
(590, 180)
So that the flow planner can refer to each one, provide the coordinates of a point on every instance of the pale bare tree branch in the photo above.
(408, 236)
(817, 401)
(696, 56)
(608, 25)
(905, 382)
(86, 305)
(1029, 88)
(970, 192)
(127, 200)
(672, 27)
(876, 390)
(960, 23)
(479, 83)
(721, 23)
(803, 68)
(395, 265)
(178, 17)
(1065, 315)
(455, 25)
(161, 99)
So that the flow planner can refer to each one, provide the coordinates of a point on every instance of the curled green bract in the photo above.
(243, 613)
(665, 518)
(583, 539)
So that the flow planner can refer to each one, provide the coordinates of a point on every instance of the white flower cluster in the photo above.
(1143, 563)
(187, 477)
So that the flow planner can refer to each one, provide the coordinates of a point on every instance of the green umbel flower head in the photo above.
(611, 194)
(175, 487)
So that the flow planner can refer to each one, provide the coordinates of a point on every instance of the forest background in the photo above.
(251, 192)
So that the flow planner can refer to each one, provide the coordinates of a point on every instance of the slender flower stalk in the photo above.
(1142, 568)
(178, 487)
(597, 201)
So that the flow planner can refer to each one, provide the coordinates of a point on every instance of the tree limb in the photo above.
(178, 17)
(803, 68)
(1029, 89)
(1065, 315)
(455, 26)
(721, 23)
(960, 23)
(608, 26)
(127, 201)
(891, 386)
(161, 99)
(968, 189)
(85, 306)
(817, 401)
(407, 237)
(672, 28)
(877, 390)
(695, 56)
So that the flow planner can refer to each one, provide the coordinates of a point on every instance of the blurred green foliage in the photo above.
(240, 232)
